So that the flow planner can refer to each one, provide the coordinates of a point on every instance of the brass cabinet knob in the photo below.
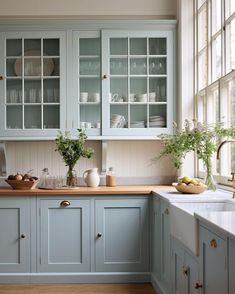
(65, 203)
(166, 211)
(105, 77)
(213, 243)
(185, 270)
(22, 236)
(198, 286)
(1, 78)
(99, 235)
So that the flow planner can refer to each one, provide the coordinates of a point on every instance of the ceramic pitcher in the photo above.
(91, 177)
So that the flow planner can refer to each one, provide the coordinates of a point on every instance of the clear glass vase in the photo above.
(209, 179)
(71, 177)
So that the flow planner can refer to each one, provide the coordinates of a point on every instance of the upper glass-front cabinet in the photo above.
(33, 96)
(87, 73)
(137, 82)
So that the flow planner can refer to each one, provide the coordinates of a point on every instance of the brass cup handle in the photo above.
(213, 243)
(65, 203)
(197, 286)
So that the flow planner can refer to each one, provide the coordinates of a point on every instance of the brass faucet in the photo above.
(218, 157)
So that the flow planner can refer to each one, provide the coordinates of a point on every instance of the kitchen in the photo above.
(33, 112)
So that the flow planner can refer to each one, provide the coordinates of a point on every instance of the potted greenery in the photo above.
(71, 150)
(199, 138)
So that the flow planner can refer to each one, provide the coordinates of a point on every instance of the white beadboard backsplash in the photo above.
(130, 159)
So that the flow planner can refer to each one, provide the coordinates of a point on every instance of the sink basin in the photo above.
(183, 224)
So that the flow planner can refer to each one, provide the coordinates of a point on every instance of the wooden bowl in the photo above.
(22, 185)
(190, 189)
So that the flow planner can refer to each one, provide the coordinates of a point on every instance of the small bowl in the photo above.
(22, 185)
(190, 189)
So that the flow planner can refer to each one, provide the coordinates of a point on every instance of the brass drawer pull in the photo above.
(65, 203)
(213, 243)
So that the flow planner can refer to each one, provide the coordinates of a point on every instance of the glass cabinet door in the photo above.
(88, 82)
(32, 82)
(137, 70)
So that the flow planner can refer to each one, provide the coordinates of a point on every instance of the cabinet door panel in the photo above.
(178, 269)
(213, 262)
(231, 266)
(156, 238)
(64, 233)
(14, 232)
(165, 239)
(123, 225)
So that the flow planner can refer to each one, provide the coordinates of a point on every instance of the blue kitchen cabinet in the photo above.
(15, 235)
(156, 239)
(213, 261)
(165, 245)
(122, 235)
(184, 269)
(64, 235)
(33, 94)
(231, 265)
(161, 245)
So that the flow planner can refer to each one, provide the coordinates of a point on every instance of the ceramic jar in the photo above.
(91, 177)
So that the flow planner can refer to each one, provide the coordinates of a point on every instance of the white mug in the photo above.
(96, 97)
(83, 96)
(142, 97)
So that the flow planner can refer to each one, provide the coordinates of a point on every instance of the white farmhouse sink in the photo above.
(183, 224)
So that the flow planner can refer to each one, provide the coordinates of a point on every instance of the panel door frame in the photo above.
(43, 264)
(143, 263)
(23, 238)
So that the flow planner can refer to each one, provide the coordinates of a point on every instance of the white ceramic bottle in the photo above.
(91, 177)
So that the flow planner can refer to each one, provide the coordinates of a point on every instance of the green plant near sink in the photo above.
(72, 150)
(199, 138)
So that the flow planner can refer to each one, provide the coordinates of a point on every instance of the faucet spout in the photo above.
(220, 145)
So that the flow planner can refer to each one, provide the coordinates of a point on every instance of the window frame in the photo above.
(204, 95)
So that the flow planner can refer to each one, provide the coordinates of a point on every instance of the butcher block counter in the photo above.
(101, 190)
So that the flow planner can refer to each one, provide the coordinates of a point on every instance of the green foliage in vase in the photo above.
(200, 138)
(72, 149)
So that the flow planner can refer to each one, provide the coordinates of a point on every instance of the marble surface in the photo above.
(222, 221)
(174, 196)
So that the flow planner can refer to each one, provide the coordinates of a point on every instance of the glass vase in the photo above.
(209, 179)
(71, 177)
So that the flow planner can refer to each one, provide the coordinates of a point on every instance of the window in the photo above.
(215, 73)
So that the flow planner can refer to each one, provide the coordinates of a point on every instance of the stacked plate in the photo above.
(117, 121)
(156, 121)
(137, 124)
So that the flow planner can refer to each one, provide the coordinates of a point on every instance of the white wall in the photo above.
(131, 159)
(87, 7)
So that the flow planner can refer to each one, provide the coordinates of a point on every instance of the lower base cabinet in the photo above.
(15, 235)
(74, 239)
(185, 270)
(213, 262)
(64, 235)
(122, 235)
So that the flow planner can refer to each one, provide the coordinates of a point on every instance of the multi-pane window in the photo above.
(215, 73)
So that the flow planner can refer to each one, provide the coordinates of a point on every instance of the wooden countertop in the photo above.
(101, 190)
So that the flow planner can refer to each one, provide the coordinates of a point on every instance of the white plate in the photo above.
(35, 69)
